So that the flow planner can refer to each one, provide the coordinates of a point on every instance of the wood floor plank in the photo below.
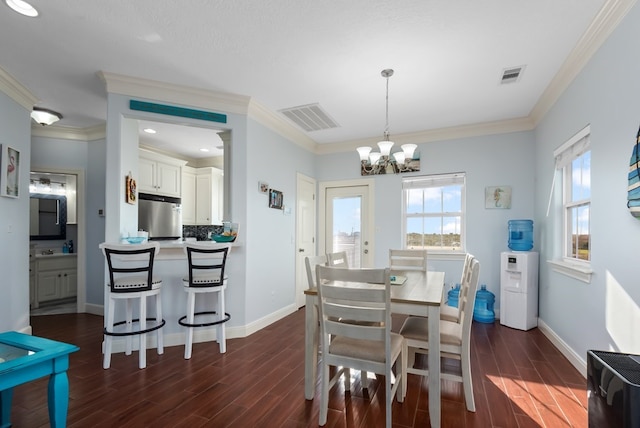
(519, 380)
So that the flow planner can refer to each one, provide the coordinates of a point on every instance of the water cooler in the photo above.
(519, 289)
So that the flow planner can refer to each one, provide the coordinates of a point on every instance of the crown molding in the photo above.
(441, 134)
(601, 27)
(92, 133)
(167, 92)
(16, 91)
(278, 124)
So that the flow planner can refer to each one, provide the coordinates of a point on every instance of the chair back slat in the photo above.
(408, 260)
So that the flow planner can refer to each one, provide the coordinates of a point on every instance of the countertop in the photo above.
(39, 255)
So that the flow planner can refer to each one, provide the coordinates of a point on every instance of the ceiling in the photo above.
(448, 56)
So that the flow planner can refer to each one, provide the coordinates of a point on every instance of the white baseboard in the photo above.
(575, 360)
(94, 309)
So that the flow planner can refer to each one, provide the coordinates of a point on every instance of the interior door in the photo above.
(348, 219)
(305, 231)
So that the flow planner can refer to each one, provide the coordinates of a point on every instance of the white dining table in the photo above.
(419, 295)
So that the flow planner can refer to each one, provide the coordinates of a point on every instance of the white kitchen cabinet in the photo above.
(208, 196)
(56, 278)
(32, 278)
(188, 196)
(159, 174)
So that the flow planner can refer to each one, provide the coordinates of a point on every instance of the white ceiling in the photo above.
(448, 56)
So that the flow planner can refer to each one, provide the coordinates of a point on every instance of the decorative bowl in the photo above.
(136, 239)
(223, 238)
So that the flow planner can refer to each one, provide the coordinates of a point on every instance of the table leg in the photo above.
(434, 365)
(6, 397)
(58, 393)
(310, 346)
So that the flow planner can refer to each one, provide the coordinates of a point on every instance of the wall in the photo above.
(493, 160)
(602, 314)
(14, 221)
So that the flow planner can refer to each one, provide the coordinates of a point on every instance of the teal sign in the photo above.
(177, 111)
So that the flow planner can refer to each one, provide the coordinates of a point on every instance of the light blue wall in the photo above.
(495, 160)
(603, 314)
(15, 131)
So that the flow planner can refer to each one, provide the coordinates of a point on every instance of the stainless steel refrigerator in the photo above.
(161, 216)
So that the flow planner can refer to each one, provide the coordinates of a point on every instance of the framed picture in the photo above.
(10, 167)
(497, 197)
(263, 187)
(130, 190)
(275, 199)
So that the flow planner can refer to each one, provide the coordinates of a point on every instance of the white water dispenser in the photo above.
(519, 289)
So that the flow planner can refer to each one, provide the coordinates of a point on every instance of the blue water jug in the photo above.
(453, 295)
(483, 309)
(521, 235)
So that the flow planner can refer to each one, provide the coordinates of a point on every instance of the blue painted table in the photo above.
(24, 358)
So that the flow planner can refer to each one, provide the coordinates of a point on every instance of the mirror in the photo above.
(48, 217)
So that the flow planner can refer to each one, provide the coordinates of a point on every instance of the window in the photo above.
(433, 212)
(574, 160)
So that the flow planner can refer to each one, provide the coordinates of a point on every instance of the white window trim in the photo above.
(564, 155)
(579, 271)
(440, 180)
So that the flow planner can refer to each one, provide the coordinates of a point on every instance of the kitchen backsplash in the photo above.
(201, 233)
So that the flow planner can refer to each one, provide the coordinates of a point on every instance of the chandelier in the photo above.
(385, 162)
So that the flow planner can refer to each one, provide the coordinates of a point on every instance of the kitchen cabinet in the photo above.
(208, 196)
(188, 196)
(159, 174)
(56, 278)
(202, 196)
(32, 277)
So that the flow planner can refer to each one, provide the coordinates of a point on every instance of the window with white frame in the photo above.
(573, 158)
(433, 212)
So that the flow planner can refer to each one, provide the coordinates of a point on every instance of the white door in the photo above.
(305, 231)
(347, 221)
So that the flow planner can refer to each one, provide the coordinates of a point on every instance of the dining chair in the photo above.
(364, 296)
(338, 259)
(452, 313)
(310, 264)
(455, 338)
(131, 277)
(408, 260)
(206, 275)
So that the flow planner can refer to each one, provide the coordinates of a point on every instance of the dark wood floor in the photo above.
(520, 380)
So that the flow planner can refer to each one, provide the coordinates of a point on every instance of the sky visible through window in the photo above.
(432, 203)
(346, 215)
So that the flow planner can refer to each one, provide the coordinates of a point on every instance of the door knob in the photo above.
(366, 251)
(301, 250)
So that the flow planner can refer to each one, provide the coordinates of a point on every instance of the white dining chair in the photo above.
(131, 278)
(408, 260)
(338, 259)
(455, 338)
(310, 264)
(452, 313)
(364, 296)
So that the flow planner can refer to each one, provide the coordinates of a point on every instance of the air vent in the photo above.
(511, 75)
(310, 117)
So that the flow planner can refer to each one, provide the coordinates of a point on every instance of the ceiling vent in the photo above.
(511, 75)
(310, 117)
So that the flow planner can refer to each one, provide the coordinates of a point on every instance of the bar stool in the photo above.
(130, 278)
(206, 275)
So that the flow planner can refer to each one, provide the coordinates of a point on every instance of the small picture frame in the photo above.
(131, 193)
(263, 187)
(497, 197)
(275, 199)
(10, 171)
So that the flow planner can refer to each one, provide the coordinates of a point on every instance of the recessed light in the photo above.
(204, 149)
(149, 130)
(22, 7)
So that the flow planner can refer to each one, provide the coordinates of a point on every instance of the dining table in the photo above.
(415, 292)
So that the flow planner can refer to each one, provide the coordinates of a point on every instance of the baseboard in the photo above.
(90, 308)
(570, 354)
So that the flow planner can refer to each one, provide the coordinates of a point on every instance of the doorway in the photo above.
(346, 220)
(305, 231)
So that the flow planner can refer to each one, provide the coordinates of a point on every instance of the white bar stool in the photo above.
(206, 275)
(131, 277)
